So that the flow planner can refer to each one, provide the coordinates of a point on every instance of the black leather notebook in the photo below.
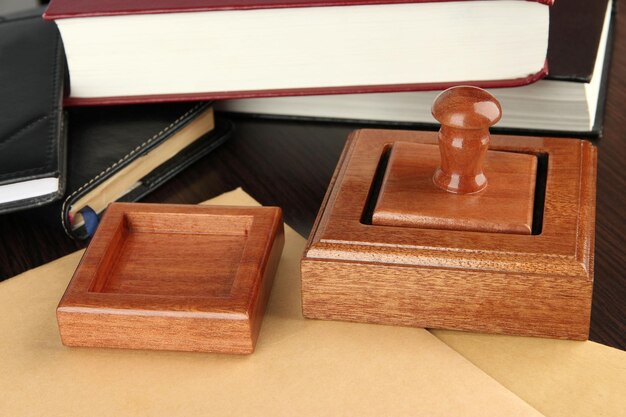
(121, 153)
(112, 153)
(32, 127)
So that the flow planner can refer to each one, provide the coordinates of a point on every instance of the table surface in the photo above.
(290, 163)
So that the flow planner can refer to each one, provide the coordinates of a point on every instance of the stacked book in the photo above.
(381, 61)
(568, 101)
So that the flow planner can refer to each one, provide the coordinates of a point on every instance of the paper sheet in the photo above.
(301, 367)
(560, 378)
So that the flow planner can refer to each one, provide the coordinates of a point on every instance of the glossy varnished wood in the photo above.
(408, 196)
(537, 285)
(289, 164)
(174, 277)
(465, 114)
(446, 187)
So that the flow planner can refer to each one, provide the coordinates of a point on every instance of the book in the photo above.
(32, 126)
(142, 51)
(121, 153)
(569, 101)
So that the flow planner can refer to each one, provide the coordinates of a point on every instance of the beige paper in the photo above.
(301, 367)
(560, 378)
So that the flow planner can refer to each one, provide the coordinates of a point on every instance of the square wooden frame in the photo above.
(229, 322)
(536, 285)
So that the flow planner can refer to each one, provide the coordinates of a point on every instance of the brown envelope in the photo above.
(560, 378)
(301, 367)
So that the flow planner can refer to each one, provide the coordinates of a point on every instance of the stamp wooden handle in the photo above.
(465, 114)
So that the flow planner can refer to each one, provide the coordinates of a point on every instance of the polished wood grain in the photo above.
(174, 277)
(409, 197)
(465, 114)
(289, 164)
(536, 285)
(458, 196)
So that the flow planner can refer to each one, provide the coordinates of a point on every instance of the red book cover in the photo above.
(62, 9)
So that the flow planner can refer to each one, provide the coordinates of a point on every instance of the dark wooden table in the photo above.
(289, 164)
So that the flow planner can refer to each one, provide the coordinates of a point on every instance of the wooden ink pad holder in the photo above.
(456, 236)
(174, 277)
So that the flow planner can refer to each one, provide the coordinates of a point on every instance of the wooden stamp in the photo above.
(457, 236)
(174, 277)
